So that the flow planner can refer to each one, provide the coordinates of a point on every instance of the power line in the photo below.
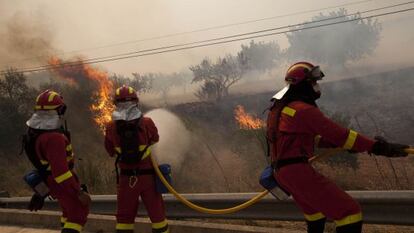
(218, 42)
(199, 30)
(217, 39)
(245, 34)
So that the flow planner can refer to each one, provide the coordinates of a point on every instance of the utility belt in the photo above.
(285, 162)
(137, 172)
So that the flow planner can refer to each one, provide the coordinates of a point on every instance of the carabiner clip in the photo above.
(133, 181)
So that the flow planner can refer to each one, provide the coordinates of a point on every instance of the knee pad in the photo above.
(317, 226)
(350, 228)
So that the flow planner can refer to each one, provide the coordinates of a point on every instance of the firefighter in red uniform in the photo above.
(130, 137)
(51, 149)
(294, 126)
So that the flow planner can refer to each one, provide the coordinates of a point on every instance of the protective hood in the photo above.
(279, 95)
(45, 120)
(126, 111)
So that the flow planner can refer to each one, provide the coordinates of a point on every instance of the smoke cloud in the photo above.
(25, 40)
(175, 139)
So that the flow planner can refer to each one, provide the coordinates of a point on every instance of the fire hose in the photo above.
(245, 204)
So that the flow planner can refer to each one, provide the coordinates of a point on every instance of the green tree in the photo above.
(141, 83)
(217, 78)
(259, 56)
(16, 105)
(335, 44)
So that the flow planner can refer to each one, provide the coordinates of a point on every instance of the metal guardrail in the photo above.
(380, 207)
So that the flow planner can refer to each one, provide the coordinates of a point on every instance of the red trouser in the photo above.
(317, 196)
(128, 199)
(74, 213)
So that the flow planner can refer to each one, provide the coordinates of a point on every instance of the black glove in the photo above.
(36, 203)
(382, 147)
(84, 188)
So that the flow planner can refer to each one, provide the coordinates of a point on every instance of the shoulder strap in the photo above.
(29, 146)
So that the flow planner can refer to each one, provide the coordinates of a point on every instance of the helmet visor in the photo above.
(316, 73)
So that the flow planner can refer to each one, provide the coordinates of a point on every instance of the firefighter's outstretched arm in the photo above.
(316, 122)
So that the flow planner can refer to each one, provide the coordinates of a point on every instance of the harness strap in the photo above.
(285, 162)
(118, 157)
(116, 168)
(137, 172)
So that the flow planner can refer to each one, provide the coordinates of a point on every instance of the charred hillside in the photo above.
(378, 104)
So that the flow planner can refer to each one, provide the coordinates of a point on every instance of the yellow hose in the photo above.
(200, 208)
(410, 150)
(245, 204)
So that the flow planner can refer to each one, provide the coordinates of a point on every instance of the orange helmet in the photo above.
(50, 100)
(299, 72)
(126, 93)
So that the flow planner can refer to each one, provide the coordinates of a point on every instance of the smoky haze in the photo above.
(175, 139)
(106, 23)
(25, 36)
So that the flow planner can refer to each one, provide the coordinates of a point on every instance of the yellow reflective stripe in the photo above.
(130, 90)
(117, 92)
(289, 111)
(63, 177)
(69, 158)
(349, 219)
(299, 65)
(314, 217)
(69, 147)
(72, 225)
(317, 139)
(124, 226)
(140, 148)
(44, 162)
(51, 96)
(63, 219)
(46, 107)
(147, 153)
(158, 225)
(350, 141)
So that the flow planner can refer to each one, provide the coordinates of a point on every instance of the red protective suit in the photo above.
(317, 196)
(55, 150)
(131, 187)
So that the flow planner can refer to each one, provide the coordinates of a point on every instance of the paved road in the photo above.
(14, 229)
(17, 229)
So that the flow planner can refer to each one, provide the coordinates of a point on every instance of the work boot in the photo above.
(350, 228)
(124, 231)
(68, 230)
(317, 226)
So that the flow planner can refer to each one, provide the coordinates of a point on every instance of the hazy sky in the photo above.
(81, 25)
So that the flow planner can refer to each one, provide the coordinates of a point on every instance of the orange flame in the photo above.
(103, 106)
(245, 120)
